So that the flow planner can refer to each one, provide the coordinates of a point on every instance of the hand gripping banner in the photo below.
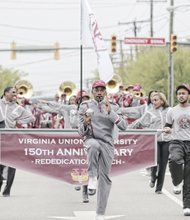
(60, 153)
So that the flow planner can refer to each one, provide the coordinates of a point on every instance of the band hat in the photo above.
(84, 94)
(98, 83)
(183, 86)
(137, 87)
(130, 86)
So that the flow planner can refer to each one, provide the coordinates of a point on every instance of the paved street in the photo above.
(35, 197)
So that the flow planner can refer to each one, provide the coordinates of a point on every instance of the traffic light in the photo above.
(13, 50)
(173, 43)
(113, 44)
(56, 51)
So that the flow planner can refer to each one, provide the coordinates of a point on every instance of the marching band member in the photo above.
(62, 110)
(133, 113)
(81, 97)
(70, 112)
(138, 98)
(97, 120)
(11, 113)
(155, 118)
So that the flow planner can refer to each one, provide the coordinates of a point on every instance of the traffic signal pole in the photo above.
(170, 67)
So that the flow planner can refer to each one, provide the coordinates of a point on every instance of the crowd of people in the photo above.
(98, 116)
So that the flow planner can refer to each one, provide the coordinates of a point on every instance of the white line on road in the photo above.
(169, 195)
(84, 215)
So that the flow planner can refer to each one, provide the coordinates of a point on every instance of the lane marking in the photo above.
(166, 192)
(84, 215)
(172, 197)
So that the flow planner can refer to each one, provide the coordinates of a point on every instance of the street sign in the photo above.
(145, 41)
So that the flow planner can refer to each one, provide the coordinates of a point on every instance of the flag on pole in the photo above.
(91, 35)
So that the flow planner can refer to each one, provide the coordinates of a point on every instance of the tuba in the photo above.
(68, 88)
(24, 89)
(113, 84)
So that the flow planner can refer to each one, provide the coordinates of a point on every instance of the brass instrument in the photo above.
(140, 93)
(113, 84)
(24, 89)
(68, 88)
(128, 89)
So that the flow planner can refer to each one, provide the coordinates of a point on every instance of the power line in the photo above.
(38, 29)
(38, 2)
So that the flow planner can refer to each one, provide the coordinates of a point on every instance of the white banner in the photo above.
(91, 34)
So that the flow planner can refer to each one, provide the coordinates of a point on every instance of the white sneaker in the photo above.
(186, 212)
(177, 189)
(100, 217)
(92, 182)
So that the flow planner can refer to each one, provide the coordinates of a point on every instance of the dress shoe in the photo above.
(6, 195)
(158, 192)
(100, 217)
(151, 184)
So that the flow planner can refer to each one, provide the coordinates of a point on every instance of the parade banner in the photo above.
(60, 154)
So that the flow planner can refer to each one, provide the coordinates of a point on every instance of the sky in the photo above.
(41, 23)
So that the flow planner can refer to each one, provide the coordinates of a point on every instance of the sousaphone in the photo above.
(113, 84)
(68, 88)
(24, 88)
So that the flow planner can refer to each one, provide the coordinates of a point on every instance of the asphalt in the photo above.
(35, 197)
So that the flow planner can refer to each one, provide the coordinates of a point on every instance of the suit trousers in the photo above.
(100, 156)
(10, 178)
(158, 172)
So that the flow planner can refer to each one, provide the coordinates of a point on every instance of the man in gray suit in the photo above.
(97, 121)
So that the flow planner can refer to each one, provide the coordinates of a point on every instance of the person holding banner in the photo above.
(70, 113)
(178, 124)
(155, 118)
(12, 114)
(97, 121)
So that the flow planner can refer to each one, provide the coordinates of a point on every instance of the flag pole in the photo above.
(81, 54)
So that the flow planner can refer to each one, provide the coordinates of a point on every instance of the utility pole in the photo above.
(121, 52)
(151, 12)
(151, 18)
(170, 67)
(135, 34)
(134, 23)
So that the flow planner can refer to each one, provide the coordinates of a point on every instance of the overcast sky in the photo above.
(43, 22)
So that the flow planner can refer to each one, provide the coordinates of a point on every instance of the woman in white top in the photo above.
(155, 118)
